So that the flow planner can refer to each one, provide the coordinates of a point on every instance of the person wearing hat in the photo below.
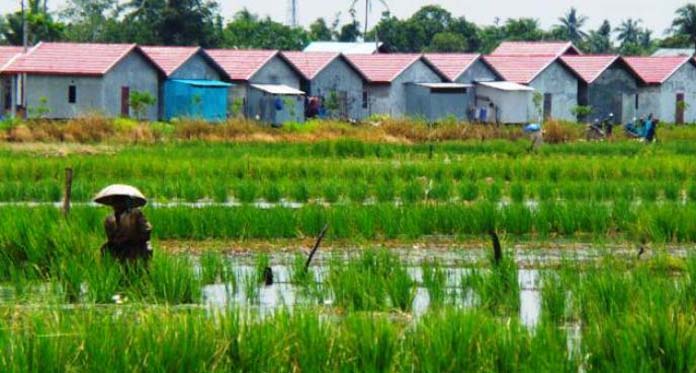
(127, 229)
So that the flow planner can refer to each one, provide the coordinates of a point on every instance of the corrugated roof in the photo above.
(86, 59)
(589, 68)
(203, 83)
(343, 47)
(169, 59)
(7, 53)
(506, 86)
(656, 70)
(382, 68)
(453, 65)
(241, 64)
(527, 48)
(519, 69)
(309, 64)
(278, 89)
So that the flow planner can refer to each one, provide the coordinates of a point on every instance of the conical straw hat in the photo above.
(113, 193)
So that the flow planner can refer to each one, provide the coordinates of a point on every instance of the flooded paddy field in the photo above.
(597, 273)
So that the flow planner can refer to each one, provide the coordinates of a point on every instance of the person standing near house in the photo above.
(536, 135)
(127, 229)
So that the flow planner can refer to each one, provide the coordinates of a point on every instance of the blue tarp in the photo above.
(204, 99)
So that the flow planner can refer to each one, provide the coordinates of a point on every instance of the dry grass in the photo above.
(96, 129)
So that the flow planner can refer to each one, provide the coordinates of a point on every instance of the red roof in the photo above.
(70, 59)
(309, 64)
(241, 64)
(656, 70)
(589, 68)
(452, 65)
(382, 68)
(519, 69)
(526, 48)
(8, 53)
(169, 59)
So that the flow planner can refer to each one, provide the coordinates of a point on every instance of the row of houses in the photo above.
(519, 82)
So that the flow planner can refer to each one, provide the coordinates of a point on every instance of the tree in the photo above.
(571, 26)
(140, 101)
(40, 23)
(319, 31)
(175, 22)
(629, 31)
(447, 42)
(93, 21)
(523, 29)
(599, 41)
(248, 31)
(685, 23)
(350, 32)
(368, 9)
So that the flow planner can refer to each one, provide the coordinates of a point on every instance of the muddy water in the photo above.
(283, 295)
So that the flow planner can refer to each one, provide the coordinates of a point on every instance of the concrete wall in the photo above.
(390, 99)
(613, 92)
(339, 77)
(478, 72)
(683, 81)
(134, 72)
(513, 106)
(262, 106)
(563, 86)
(196, 67)
(422, 102)
(276, 71)
(53, 90)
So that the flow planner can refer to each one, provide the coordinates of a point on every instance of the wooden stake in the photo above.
(497, 251)
(316, 247)
(68, 191)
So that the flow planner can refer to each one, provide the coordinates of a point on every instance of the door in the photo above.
(125, 101)
(548, 105)
(628, 111)
(681, 106)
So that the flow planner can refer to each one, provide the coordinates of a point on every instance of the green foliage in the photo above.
(140, 102)
(40, 110)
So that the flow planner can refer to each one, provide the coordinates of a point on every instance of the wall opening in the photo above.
(681, 107)
(125, 101)
(72, 94)
(548, 105)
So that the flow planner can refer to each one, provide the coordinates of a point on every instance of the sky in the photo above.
(656, 15)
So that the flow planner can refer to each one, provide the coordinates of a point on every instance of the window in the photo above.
(72, 94)
(637, 102)
(364, 100)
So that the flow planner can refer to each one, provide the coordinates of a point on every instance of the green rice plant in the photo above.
(385, 191)
(216, 268)
(440, 191)
(546, 192)
(245, 192)
(299, 192)
(435, 280)
(272, 192)
(468, 191)
(220, 193)
(358, 192)
(252, 290)
(331, 192)
(170, 279)
(262, 262)
(691, 192)
(553, 299)
(648, 191)
(493, 193)
(400, 288)
(498, 290)
(517, 192)
(378, 356)
(672, 191)
(413, 192)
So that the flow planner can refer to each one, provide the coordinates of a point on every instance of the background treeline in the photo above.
(432, 28)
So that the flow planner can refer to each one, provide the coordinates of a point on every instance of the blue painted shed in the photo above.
(203, 99)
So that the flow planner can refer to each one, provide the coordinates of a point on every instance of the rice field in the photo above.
(405, 279)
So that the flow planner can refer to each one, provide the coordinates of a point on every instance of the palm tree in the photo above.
(368, 9)
(571, 24)
(629, 31)
(685, 23)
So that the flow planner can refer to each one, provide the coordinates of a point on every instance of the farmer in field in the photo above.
(127, 230)
(536, 135)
